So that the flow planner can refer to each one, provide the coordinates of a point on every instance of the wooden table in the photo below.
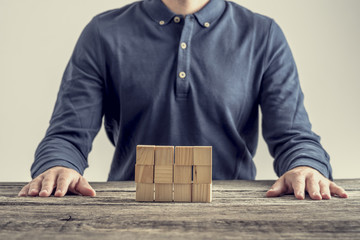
(239, 210)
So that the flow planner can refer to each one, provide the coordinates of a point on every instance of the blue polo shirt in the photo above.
(158, 78)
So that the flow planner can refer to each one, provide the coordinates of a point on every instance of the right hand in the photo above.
(64, 179)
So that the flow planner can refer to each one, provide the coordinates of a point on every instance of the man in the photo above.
(182, 72)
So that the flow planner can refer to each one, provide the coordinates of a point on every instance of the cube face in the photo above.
(144, 173)
(163, 192)
(144, 192)
(184, 156)
(145, 154)
(182, 192)
(202, 174)
(182, 174)
(163, 174)
(164, 155)
(201, 193)
(202, 155)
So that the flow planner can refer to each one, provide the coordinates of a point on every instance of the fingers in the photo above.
(60, 177)
(34, 186)
(84, 188)
(48, 185)
(299, 187)
(325, 189)
(313, 188)
(336, 190)
(23, 192)
(279, 188)
(63, 183)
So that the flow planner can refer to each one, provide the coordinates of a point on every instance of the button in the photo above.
(207, 24)
(176, 19)
(182, 74)
(161, 22)
(183, 45)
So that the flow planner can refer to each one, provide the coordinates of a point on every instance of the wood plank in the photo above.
(145, 154)
(144, 192)
(184, 155)
(239, 210)
(164, 155)
(163, 192)
(164, 174)
(201, 193)
(182, 174)
(144, 173)
(202, 155)
(182, 192)
(202, 174)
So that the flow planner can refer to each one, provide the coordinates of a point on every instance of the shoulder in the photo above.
(119, 15)
(244, 17)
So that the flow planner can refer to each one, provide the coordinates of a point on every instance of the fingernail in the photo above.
(44, 191)
(33, 190)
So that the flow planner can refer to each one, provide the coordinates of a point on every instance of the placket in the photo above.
(183, 64)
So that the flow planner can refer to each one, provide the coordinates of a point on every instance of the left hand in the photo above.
(299, 179)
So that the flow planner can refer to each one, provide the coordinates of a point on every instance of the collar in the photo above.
(158, 11)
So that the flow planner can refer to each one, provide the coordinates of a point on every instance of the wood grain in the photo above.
(164, 155)
(145, 154)
(144, 173)
(182, 192)
(202, 174)
(201, 193)
(202, 155)
(184, 155)
(182, 174)
(239, 210)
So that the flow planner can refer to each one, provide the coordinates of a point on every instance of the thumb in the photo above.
(84, 188)
(278, 189)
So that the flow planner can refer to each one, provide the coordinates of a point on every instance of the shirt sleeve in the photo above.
(77, 115)
(285, 124)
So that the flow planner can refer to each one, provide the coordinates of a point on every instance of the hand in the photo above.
(299, 179)
(64, 179)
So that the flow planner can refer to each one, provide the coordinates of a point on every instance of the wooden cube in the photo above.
(202, 155)
(201, 193)
(182, 192)
(163, 192)
(164, 155)
(144, 192)
(184, 156)
(202, 174)
(163, 174)
(145, 154)
(144, 173)
(182, 174)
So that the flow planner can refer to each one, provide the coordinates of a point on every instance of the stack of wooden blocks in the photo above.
(187, 179)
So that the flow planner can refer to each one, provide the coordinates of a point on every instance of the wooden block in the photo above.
(201, 193)
(182, 192)
(182, 174)
(144, 192)
(202, 155)
(184, 156)
(163, 174)
(202, 174)
(144, 173)
(163, 192)
(145, 154)
(164, 155)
